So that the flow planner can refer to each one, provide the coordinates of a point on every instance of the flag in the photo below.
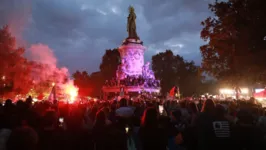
(173, 91)
(52, 96)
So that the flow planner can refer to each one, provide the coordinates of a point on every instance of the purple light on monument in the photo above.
(132, 73)
(132, 58)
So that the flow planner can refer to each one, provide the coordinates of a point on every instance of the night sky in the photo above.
(79, 31)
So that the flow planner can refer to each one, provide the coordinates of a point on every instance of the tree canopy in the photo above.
(83, 81)
(15, 70)
(91, 85)
(173, 70)
(109, 64)
(235, 49)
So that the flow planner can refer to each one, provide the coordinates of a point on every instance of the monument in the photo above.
(132, 74)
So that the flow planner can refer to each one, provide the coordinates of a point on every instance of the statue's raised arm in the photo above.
(131, 24)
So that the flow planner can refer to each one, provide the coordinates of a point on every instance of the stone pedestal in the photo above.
(133, 75)
(132, 57)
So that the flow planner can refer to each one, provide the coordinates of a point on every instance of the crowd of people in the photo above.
(127, 125)
(134, 81)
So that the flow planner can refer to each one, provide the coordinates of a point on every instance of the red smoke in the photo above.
(44, 55)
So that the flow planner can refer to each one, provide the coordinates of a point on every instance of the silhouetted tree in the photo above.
(174, 70)
(15, 70)
(97, 80)
(83, 81)
(235, 50)
(109, 64)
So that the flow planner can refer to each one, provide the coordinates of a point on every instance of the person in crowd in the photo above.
(22, 138)
(124, 110)
(100, 132)
(193, 111)
(50, 136)
(174, 129)
(132, 125)
(151, 136)
(204, 126)
(245, 134)
(222, 129)
(5, 131)
(76, 133)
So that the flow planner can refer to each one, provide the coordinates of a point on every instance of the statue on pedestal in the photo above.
(145, 70)
(131, 24)
(152, 74)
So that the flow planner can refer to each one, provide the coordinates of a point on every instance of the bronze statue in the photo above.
(131, 24)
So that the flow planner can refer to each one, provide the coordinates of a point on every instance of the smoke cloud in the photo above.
(46, 69)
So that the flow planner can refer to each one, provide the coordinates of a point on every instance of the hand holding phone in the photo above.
(61, 120)
(161, 109)
(126, 128)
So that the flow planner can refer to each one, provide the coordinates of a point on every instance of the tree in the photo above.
(189, 79)
(97, 81)
(83, 81)
(209, 86)
(235, 50)
(109, 64)
(15, 70)
(173, 70)
(165, 68)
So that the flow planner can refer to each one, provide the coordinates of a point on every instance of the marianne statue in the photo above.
(131, 24)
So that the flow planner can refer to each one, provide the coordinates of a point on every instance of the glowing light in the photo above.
(258, 90)
(71, 91)
(232, 91)
(227, 91)
(244, 90)
(53, 84)
(3, 77)
(260, 99)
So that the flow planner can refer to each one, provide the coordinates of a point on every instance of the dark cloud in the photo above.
(79, 31)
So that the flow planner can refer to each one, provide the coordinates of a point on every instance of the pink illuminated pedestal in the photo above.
(132, 66)
(132, 58)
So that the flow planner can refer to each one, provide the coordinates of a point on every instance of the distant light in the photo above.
(226, 91)
(53, 84)
(244, 90)
(264, 38)
(3, 77)
(259, 90)
(232, 91)
(260, 99)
